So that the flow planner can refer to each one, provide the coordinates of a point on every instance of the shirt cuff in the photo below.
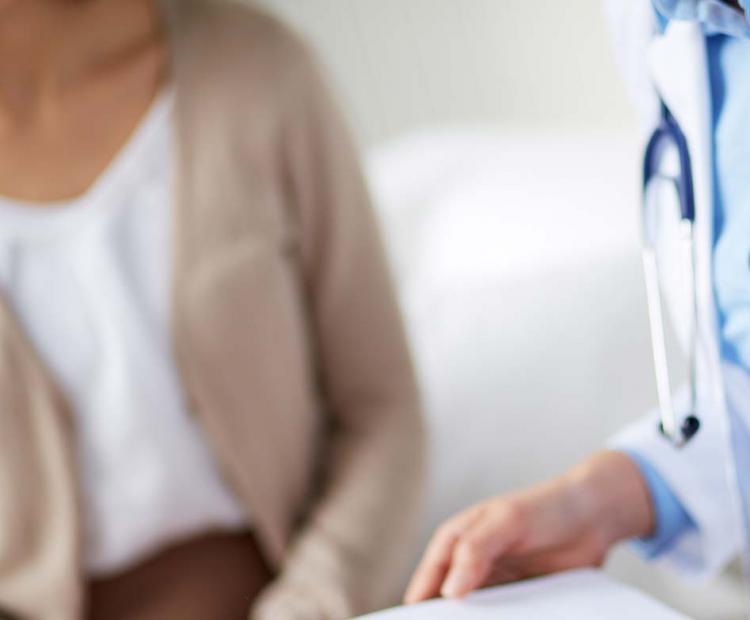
(672, 520)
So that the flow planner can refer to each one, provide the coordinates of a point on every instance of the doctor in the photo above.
(687, 61)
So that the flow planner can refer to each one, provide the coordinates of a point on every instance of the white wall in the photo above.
(398, 64)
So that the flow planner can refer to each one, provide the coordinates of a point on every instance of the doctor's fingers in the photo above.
(518, 566)
(434, 566)
(513, 568)
(501, 527)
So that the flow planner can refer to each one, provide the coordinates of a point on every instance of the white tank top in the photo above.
(90, 282)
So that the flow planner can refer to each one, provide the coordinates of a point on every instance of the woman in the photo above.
(206, 404)
(686, 499)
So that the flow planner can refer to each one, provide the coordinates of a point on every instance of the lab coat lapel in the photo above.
(679, 70)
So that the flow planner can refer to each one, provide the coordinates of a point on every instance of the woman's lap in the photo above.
(212, 576)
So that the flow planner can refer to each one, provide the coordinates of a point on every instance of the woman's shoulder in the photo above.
(238, 41)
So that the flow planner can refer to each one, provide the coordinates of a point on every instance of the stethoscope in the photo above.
(677, 429)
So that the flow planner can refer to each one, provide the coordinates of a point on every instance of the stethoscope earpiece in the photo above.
(690, 426)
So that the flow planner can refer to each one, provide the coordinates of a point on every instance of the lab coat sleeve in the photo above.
(698, 476)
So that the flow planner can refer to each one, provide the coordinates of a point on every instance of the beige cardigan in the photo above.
(286, 334)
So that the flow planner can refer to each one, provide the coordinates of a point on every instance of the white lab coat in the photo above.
(702, 474)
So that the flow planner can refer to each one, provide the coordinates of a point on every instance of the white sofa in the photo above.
(517, 260)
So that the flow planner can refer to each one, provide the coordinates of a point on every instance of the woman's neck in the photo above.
(49, 46)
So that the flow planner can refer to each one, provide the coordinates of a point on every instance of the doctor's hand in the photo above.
(569, 522)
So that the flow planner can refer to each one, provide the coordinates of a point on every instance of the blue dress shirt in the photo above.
(671, 518)
(728, 32)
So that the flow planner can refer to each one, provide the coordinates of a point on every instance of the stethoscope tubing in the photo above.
(677, 432)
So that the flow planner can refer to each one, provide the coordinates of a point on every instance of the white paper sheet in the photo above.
(575, 595)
